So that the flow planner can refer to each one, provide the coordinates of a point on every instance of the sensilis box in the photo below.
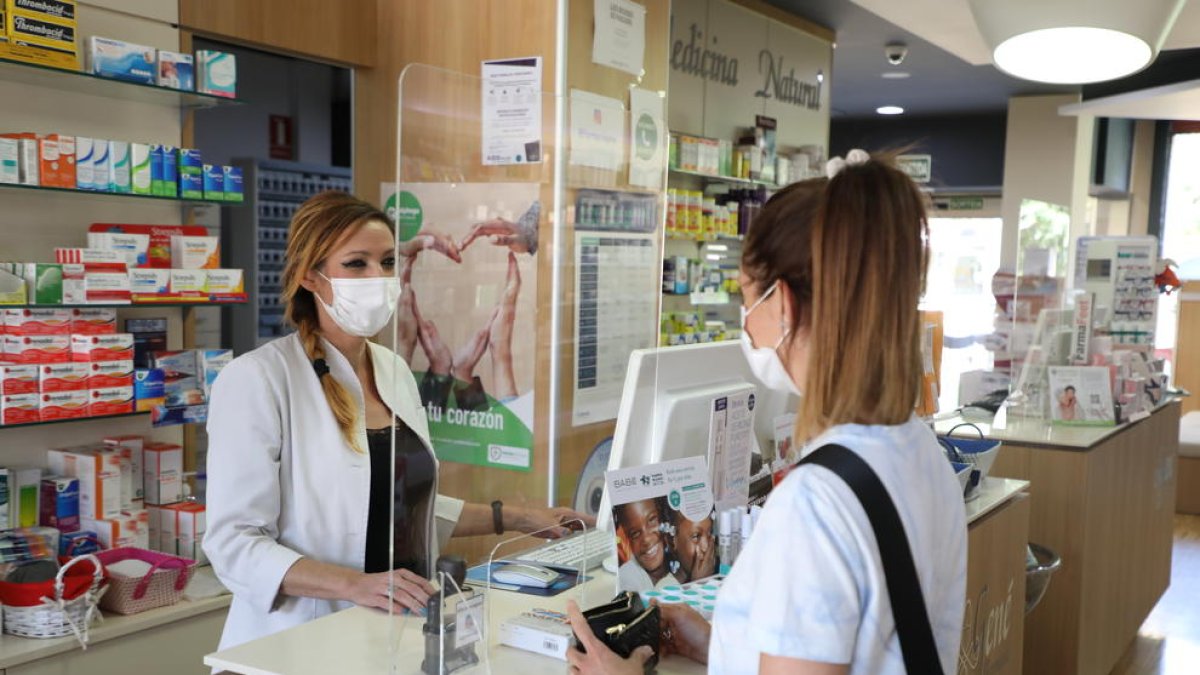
(19, 379)
(214, 182)
(235, 190)
(110, 401)
(176, 70)
(189, 284)
(216, 73)
(195, 253)
(115, 347)
(93, 321)
(20, 408)
(60, 503)
(37, 321)
(37, 348)
(148, 388)
(109, 374)
(63, 377)
(121, 60)
(64, 405)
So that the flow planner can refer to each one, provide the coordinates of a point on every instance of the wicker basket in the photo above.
(163, 585)
(69, 612)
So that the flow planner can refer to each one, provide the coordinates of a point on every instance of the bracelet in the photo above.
(498, 516)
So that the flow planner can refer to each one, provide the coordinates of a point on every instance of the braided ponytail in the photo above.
(316, 227)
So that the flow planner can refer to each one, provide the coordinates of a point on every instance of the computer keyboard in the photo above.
(584, 549)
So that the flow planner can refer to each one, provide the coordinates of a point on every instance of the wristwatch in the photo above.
(498, 516)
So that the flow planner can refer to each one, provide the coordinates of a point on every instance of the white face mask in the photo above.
(362, 307)
(765, 362)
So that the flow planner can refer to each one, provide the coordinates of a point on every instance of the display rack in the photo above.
(80, 82)
(724, 179)
(73, 419)
(256, 238)
(96, 195)
(129, 305)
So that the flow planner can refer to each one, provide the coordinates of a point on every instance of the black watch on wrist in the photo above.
(498, 516)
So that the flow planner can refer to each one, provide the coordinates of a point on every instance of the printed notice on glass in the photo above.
(615, 313)
(512, 111)
(597, 130)
(620, 39)
(647, 133)
(730, 444)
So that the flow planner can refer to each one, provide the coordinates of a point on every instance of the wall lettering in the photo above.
(786, 88)
(696, 59)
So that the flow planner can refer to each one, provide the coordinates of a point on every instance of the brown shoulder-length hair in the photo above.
(853, 250)
(316, 228)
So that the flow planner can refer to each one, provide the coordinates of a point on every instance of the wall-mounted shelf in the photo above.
(79, 82)
(726, 179)
(128, 305)
(75, 419)
(104, 196)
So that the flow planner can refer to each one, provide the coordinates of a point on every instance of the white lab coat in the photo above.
(283, 484)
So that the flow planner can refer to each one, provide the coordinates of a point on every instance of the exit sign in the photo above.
(966, 204)
(918, 167)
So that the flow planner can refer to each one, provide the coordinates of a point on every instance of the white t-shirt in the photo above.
(811, 575)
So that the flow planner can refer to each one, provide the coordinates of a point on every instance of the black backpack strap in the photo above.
(903, 585)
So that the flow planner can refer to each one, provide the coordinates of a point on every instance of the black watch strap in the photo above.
(498, 516)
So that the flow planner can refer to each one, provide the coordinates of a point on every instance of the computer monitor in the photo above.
(665, 410)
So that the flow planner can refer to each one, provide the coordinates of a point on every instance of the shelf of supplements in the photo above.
(128, 305)
(89, 418)
(80, 82)
(86, 195)
(724, 179)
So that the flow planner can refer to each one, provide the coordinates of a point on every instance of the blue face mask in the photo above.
(765, 362)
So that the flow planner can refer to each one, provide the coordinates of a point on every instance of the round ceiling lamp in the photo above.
(1074, 41)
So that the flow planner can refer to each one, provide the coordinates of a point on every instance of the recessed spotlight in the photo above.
(890, 110)
(895, 75)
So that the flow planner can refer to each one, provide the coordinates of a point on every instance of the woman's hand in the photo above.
(429, 240)
(440, 359)
(552, 523)
(599, 658)
(501, 331)
(410, 591)
(469, 354)
(502, 232)
(684, 632)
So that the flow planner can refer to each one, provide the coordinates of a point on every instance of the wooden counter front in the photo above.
(994, 617)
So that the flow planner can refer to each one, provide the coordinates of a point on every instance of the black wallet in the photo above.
(624, 625)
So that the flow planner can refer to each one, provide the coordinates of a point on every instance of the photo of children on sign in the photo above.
(658, 546)
(466, 318)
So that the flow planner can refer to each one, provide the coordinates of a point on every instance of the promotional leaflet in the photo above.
(597, 130)
(1081, 395)
(620, 37)
(647, 139)
(730, 444)
(512, 111)
(467, 316)
(665, 527)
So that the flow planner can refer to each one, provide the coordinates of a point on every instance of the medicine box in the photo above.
(98, 469)
(195, 253)
(176, 70)
(189, 285)
(119, 179)
(18, 379)
(131, 447)
(163, 473)
(44, 283)
(37, 321)
(135, 248)
(540, 631)
(148, 389)
(191, 174)
(26, 496)
(80, 542)
(85, 163)
(141, 521)
(121, 60)
(6, 509)
(37, 348)
(63, 405)
(226, 285)
(10, 160)
(116, 532)
(98, 259)
(115, 347)
(98, 287)
(48, 25)
(149, 285)
(214, 182)
(216, 73)
(93, 321)
(63, 377)
(100, 164)
(109, 374)
(20, 408)
(60, 503)
(187, 529)
(48, 167)
(168, 177)
(212, 362)
(64, 169)
(140, 173)
(183, 382)
(28, 157)
(111, 401)
(235, 190)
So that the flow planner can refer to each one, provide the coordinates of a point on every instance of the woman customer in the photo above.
(300, 481)
(832, 272)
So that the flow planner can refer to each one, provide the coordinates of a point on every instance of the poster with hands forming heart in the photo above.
(467, 317)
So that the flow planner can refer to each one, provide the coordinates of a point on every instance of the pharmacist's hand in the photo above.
(684, 632)
(410, 591)
(502, 232)
(599, 658)
(430, 240)
(469, 354)
(552, 523)
(440, 360)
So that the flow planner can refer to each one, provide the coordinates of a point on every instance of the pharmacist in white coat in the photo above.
(301, 495)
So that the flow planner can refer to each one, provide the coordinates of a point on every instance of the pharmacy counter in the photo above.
(368, 641)
(1104, 500)
(169, 639)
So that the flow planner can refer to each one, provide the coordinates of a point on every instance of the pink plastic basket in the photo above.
(163, 585)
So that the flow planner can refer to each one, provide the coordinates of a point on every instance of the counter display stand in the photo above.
(1104, 500)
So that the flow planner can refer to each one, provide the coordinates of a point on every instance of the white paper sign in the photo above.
(620, 39)
(468, 617)
(684, 482)
(647, 135)
(597, 130)
(512, 111)
(730, 445)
